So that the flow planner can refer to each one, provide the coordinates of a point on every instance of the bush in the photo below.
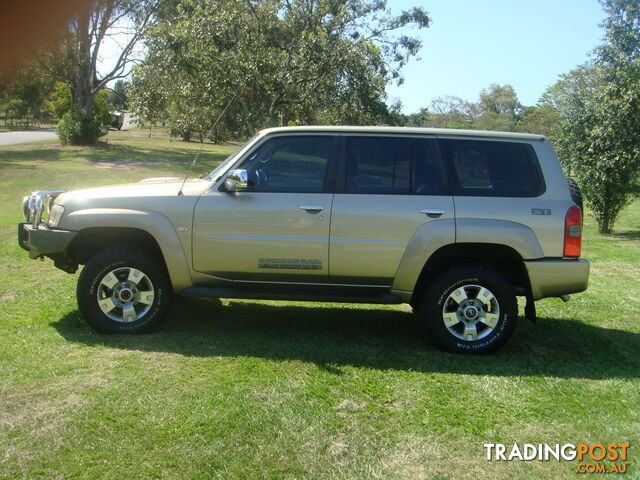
(59, 101)
(102, 114)
(74, 130)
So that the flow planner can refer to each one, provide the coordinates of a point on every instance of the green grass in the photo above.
(258, 389)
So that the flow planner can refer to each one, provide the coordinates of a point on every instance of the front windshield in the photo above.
(213, 176)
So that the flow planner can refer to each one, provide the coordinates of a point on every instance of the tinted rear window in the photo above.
(384, 165)
(492, 168)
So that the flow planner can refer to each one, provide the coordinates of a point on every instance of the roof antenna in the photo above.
(235, 94)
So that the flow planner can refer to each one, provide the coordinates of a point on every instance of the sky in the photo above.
(473, 43)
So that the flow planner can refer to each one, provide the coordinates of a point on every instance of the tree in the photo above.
(500, 99)
(498, 108)
(74, 59)
(60, 101)
(599, 131)
(70, 131)
(418, 119)
(28, 84)
(450, 110)
(148, 100)
(541, 119)
(325, 61)
(568, 97)
(15, 109)
(395, 117)
(501, 122)
(118, 95)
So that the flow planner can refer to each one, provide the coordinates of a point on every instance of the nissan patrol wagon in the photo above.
(456, 223)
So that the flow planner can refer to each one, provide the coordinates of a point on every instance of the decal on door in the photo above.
(290, 263)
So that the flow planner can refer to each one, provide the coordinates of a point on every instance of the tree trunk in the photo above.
(85, 96)
(604, 221)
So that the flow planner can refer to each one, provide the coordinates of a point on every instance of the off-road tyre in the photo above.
(438, 304)
(122, 263)
(576, 194)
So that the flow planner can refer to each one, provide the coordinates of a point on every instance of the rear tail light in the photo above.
(573, 232)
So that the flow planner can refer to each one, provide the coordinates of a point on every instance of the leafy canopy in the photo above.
(599, 107)
(290, 61)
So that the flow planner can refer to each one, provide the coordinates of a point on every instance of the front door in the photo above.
(277, 230)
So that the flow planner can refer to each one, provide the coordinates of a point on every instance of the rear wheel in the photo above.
(122, 290)
(469, 309)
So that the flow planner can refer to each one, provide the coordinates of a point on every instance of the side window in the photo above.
(378, 165)
(289, 164)
(492, 168)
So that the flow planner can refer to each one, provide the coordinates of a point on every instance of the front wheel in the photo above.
(469, 310)
(121, 290)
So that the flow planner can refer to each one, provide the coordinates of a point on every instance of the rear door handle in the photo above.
(311, 208)
(432, 212)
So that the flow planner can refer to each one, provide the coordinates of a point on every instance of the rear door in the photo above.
(388, 187)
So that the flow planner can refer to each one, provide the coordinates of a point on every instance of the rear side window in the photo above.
(492, 168)
(383, 165)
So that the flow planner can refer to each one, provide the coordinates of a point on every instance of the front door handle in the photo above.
(312, 208)
(432, 212)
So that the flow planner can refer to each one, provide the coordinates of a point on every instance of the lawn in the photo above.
(283, 390)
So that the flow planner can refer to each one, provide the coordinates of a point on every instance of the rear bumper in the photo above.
(42, 240)
(553, 278)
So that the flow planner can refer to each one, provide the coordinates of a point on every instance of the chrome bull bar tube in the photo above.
(34, 205)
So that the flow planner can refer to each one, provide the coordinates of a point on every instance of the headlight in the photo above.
(55, 215)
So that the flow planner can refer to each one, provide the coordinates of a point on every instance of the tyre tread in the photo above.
(88, 306)
(430, 312)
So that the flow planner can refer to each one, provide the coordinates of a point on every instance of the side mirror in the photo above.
(236, 180)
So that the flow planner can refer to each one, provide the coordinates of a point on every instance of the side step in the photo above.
(215, 292)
